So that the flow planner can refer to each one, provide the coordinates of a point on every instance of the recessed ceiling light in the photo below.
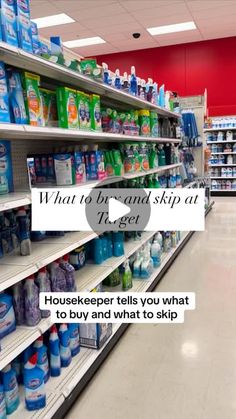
(53, 20)
(177, 27)
(84, 42)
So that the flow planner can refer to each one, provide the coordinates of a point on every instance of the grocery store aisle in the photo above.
(185, 371)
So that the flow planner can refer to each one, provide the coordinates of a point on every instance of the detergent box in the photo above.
(35, 38)
(64, 169)
(16, 97)
(95, 112)
(95, 165)
(4, 99)
(32, 98)
(24, 24)
(57, 50)
(49, 106)
(6, 173)
(8, 22)
(94, 335)
(80, 171)
(67, 108)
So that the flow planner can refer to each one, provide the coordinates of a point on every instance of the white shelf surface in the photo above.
(221, 142)
(28, 132)
(224, 152)
(223, 177)
(14, 200)
(223, 190)
(221, 164)
(14, 268)
(19, 58)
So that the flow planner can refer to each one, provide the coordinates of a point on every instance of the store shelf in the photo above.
(28, 132)
(222, 177)
(14, 200)
(223, 190)
(19, 58)
(222, 164)
(224, 152)
(221, 142)
(14, 268)
(219, 129)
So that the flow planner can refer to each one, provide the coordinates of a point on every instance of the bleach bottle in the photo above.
(24, 231)
(11, 390)
(42, 361)
(65, 351)
(69, 271)
(54, 349)
(74, 338)
(35, 395)
(3, 412)
(57, 276)
(44, 285)
(156, 254)
(31, 302)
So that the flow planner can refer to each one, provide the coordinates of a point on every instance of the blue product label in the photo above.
(24, 25)
(2, 406)
(55, 364)
(74, 341)
(35, 397)
(43, 363)
(65, 353)
(11, 392)
(9, 26)
(4, 101)
(7, 316)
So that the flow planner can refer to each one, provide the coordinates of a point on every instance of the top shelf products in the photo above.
(220, 123)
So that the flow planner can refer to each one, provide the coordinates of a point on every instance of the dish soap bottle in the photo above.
(126, 277)
(31, 302)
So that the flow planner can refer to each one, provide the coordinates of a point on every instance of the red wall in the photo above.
(188, 69)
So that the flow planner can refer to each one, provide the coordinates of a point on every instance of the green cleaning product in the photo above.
(154, 124)
(67, 107)
(161, 155)
(49, 105)
(153, 157)
(95, 111)
(144, 122)
(127, 282)
(150, 182)
(129, 159)
(156, 183)
(81, 109)
(32, 98)
(118, 164)
(87, 112)
(113, 279)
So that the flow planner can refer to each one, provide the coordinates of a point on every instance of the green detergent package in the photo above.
(118, 164)
(87, 111)
(154, 127)
(89, 68)
(144, 122)
(67, 108)
(49, 105)
(95, 112)
(33, 104)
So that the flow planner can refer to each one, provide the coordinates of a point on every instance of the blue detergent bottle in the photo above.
(35, 396)
(117, 82)
(3, 412)
(118, 243)
(11, 390)
(74, 338)
(54, 350)
(97, 251)
(42, 362)
(65, 351)
(133, 82)
(156, 254)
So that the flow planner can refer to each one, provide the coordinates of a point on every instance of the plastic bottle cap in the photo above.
(31, 277)
(33, 359)
(53, 329)
(44, 269)
(66, 258)
(40, 338)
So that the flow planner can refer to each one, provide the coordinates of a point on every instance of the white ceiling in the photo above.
(116, 20)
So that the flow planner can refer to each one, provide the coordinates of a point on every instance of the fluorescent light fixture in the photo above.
(177, 27)
(53, 20)
(76, 43)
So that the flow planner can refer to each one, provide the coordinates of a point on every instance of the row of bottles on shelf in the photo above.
(221, 136)
(223, 148)
(223, 185)
(223, 171)
(220, 122)
(222, 159)
(74, 165)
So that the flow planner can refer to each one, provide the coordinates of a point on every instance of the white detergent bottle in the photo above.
(137, 265)
(156, 254)
(145, 266)
(159, 238)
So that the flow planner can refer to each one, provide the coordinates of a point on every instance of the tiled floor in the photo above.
(185, 371)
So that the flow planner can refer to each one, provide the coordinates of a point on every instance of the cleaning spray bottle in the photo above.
(35, 395)
(18, 303)
(126, 276)
(24, 231)
(11, 390)
(54, 349)
(44, 285)
(69, 274)
(31, 302)
(133, 82)
(74, 338)
(42, 360)
(65, 351)
(156, 254)
(58, 277)
(3, 412)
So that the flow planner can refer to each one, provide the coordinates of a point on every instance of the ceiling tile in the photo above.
(76, 5)
(150, 21)
(217, 12)
(179, 38)
(132, 5)
(208, 4)
(169, 10)
(119, 28)
(111, 11)
(94, 50)
(42, 9)
(105, 21)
